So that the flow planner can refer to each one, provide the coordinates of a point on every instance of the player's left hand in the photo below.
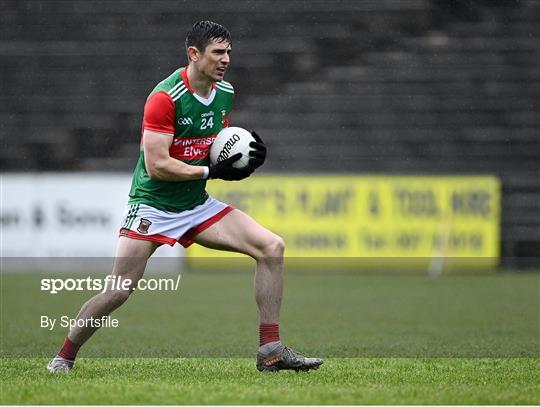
(258, 155)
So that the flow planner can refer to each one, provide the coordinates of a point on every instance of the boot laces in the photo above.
(292, 353)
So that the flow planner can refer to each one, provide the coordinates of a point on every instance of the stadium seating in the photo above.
(374, 86)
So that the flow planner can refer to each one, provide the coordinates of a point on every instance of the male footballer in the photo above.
(168, 202)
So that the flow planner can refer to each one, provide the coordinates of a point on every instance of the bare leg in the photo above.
(130, 262)
(268, 289)
(239, 233)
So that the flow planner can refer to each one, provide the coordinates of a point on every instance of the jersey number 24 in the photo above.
(207, 123)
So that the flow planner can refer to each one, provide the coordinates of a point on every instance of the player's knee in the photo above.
(274, 248)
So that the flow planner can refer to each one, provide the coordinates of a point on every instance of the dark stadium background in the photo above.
(374, 86)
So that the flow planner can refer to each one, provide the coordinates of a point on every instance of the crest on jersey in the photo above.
(144, 224)
(223, 117)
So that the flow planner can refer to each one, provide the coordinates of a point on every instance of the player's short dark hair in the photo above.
(204, 32)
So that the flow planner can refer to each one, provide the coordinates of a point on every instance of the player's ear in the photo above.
(193, 54)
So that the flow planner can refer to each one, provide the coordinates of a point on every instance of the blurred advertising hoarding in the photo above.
(383, 218)
(63, 215)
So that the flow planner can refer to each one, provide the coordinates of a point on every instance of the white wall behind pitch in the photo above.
(64, 215)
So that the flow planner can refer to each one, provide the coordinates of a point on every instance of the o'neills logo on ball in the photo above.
(228, 147)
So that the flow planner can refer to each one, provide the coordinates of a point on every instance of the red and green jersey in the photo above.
(173, 108)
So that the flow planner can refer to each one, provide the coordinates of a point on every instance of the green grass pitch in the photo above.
(386, 339)
(234, 381)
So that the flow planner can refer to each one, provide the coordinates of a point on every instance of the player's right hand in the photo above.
(225, 170)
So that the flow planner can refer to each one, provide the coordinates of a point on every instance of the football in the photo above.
(230, 141)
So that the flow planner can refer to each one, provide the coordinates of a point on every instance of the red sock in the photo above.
(69, 350)
(268, 333)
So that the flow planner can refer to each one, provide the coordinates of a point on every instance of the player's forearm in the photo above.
(170, 169)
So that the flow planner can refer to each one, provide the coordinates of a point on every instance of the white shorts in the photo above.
(148, 223)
